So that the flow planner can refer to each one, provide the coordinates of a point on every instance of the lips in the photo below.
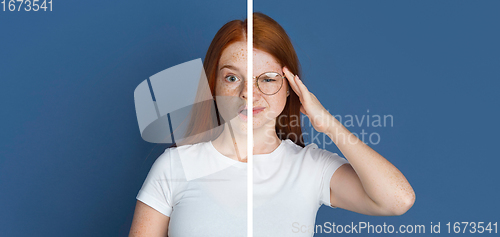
(257, 110)
(244, 111)
(242, 108)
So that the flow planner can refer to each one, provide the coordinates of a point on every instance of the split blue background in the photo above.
(72, 159)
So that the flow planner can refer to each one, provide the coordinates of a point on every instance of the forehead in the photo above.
(236, 54)
(263, 61)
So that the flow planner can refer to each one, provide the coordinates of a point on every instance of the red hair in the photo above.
(269, 37)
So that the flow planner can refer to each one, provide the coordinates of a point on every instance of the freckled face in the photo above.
(232, 66)
(231, 91)
(273, 104)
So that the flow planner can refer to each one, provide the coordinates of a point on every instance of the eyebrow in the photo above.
(230, 67)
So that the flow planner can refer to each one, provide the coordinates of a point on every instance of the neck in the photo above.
(234, 144)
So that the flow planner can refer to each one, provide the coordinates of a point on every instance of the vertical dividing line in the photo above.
(250, 118)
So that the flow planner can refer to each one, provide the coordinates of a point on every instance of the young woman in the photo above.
(199, 189)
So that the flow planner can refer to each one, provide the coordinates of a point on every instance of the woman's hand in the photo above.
(320, 118)
(370, 184)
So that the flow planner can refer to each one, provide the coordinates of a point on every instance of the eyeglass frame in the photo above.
(257, 82)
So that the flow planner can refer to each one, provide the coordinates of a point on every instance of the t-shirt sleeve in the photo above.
(331, 162)
(157, 189)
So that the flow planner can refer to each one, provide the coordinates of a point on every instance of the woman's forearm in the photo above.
(381, 180)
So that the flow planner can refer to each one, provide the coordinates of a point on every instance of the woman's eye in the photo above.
(231, 78)
(268, 80)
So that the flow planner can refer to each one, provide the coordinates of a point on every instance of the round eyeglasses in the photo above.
(269, 83)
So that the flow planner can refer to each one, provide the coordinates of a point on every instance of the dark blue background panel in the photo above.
(71, 155)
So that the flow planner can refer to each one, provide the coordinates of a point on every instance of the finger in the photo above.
(291, 81)
(303, 110)
(303, 89)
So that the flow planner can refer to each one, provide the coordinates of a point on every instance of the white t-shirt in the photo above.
(205, 193)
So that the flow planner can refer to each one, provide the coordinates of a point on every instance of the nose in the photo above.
(256, 92)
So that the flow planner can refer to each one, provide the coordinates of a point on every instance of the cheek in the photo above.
(278, 103)
(219, 90)
(224, 90)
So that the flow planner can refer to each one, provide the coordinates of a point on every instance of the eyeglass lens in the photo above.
(269, 83)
